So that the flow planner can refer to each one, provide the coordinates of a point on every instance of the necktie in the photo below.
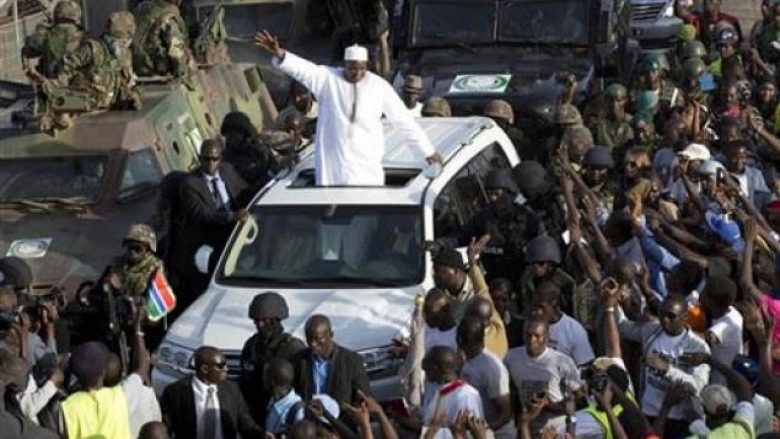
(217, 195)
(210, 414)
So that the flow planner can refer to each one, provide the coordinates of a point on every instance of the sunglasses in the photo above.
(220, 365)
(210, 158)
(670, 315)
(633, 164)
(135, 247)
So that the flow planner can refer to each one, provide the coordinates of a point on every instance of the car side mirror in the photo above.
(202, 257)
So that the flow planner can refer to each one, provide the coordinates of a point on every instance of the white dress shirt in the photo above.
(223, 193)
(200, 392)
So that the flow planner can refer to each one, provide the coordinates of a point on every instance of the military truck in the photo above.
(473, 51)
(66, 200)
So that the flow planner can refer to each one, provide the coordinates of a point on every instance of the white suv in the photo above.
(354, 254)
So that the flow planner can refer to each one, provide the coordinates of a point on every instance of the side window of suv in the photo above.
(463, 196)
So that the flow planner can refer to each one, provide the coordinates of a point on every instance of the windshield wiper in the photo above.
(453, 41)
(270, 280)
(358, 280)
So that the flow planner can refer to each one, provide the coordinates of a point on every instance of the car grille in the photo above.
(233, 360)
(646, 12)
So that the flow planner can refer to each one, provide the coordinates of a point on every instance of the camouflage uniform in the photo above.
(135, 278)
(104, 67)
(160, 44)
(613, 133)
(529, 282)
(51, 42)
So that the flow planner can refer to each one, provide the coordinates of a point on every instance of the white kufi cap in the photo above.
(355, 53)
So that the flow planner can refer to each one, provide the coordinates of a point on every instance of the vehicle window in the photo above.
(451, 23)
(50, 178)
(141, 172)
(245, 20)
(463, 196)
(328, 246)
(542, 21)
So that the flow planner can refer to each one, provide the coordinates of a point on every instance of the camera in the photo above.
(9, 318)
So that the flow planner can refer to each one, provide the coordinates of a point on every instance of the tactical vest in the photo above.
(61, 39)
(106, 74)
(150, 55)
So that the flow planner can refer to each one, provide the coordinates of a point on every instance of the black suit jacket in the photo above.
(198, 206)
(201, 223)
(346, 374)
(178, 409)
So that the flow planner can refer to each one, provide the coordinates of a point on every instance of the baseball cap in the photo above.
(717, 399)
(696, 151)
(726, 229)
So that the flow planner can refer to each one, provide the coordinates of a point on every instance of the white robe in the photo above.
(350, 153)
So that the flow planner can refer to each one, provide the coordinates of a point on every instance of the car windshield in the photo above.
(541, 21)
(328, 246)
(456, 23)
(41, 179)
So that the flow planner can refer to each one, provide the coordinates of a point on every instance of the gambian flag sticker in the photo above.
(161, 300)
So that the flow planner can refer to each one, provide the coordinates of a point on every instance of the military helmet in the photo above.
(141, 233)
(654, 61)
(121, 24)
(647, 102)
(693, 68)
(616, 91)
(542, 249)
(501, 179)
(568, 114)
(67, 10)
(693, 49)
(500, 109)
(436, 106)
(268, 305)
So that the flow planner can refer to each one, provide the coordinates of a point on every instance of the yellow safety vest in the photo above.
(603, 419)
(99, 413)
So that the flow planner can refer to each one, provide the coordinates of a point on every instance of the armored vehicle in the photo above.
(474, 51)
(66, 200)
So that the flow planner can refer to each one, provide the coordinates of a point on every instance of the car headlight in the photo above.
(380, 362)
(668, 10)
(174, 357)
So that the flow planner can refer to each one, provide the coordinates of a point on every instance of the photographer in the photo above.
(40, 319)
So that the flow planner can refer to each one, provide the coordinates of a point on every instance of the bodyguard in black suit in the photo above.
(207, 406)
(213, 199)
(325, 367)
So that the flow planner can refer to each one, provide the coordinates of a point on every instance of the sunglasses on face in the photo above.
(138, 248)
(220, 365)
(670, 315)
(210, 158)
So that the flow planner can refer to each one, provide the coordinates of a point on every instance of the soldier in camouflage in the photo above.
(653, 70)
(129, 273)
(104, 66)
(501, 112)
(52, 41)
(161, 43)
(614, 129)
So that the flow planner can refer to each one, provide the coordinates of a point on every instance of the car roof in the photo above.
(448, 135)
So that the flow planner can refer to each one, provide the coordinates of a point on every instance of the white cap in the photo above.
(696, 151)
(355, 53)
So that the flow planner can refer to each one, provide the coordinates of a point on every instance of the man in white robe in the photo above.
(350, 140)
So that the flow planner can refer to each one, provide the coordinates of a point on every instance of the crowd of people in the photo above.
(622, 281)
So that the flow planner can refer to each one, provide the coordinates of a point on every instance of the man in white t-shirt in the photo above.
(485, 371)
(446, 395)
(536, 370)
(725, 333)
(567, 335)
(440, 325)
(663, 346)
